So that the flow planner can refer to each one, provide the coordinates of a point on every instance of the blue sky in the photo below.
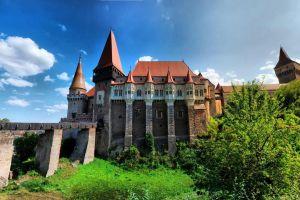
(228, 41)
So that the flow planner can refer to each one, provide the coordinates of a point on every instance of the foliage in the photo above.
(23, 159)
(103, 180)
(4, 120)
(289, 95)
(149, 144)
(252, 151)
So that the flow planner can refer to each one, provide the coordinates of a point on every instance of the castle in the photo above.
(163, 98)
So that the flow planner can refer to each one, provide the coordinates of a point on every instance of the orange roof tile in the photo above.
(91, 92)
(160, 68)
(189, 78)
(130, 78)
(169, 77)
(78, 79)
(110, 54)
(149, 77)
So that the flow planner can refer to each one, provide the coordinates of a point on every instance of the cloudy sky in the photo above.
(228, 41)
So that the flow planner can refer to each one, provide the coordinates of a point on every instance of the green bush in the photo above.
(35, 185)
(24, 155)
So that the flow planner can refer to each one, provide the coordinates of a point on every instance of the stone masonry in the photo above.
(6, 153)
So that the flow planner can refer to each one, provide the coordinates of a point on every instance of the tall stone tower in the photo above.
(286, 69)
(77, 97)
(107, 70)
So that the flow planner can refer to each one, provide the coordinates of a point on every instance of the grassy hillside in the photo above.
(103, 180)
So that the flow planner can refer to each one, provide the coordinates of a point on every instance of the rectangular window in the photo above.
(159, 114)
(180, 114)
(196, 93)
(115, 92)
(161, 93)
(201, 93)
(120, 92)
(156, 92)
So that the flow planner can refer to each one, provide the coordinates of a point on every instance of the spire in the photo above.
(149, 77)
(78, 79)
(189, 77)
(283, 58)
(130, 78)
(169, 77)
(110, 54)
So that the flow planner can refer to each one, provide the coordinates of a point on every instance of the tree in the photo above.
(252, 149)
(4, 120)
(289, 95)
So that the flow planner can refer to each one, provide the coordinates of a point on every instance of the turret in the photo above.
(78, 82)
(286, 69)
(189, 86)
(170, 87)
(77, 99)
(149, 87)
(129, 86)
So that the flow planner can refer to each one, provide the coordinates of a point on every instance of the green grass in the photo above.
(103, 180)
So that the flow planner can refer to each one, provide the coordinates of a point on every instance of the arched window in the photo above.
(139, 93)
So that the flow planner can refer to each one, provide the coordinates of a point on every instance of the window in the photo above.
(180, 114)
(115, 92)
(159, 114)
(161, 92)
(120, 92)
(196, 92)
(73, 115)
(156, 92)
(179, 93)
(201, 93)
(139, 93)
(205, 91)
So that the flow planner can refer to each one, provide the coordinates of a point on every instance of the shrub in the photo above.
(24, 156)
(35, 185)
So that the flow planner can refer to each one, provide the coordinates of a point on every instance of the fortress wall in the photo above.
(139, 123)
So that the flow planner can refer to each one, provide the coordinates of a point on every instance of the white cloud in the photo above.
(269, 65)
(23, 57)
(16, 81)
(231, 74)
(83, 52)
(48, 79)
(267, 78)
(146, 58)
(57, 108)
(14, 101)
(296, 60)
(20, 93)
(88, 86)
(60, 55)
(2, 35)
(62, 91)
(215, 78)
(37, 109)
(62, 27)
(63, 76)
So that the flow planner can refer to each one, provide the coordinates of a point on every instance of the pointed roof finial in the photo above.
(189, 77)
(110, 54)
(78, 81)
(149, 77)
(169, 76)
(130, 78)
(283, 58)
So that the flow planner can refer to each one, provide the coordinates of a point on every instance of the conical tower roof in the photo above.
(189, 78)
(149, 77)
(283, 58)
(130, 78)
(110, 54)
(78, 79)
(169, 77)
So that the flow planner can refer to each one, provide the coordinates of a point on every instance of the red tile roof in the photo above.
(160, 68)
(110, 54)
(91, 92)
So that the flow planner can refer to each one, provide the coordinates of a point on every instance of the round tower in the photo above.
(77, 99)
